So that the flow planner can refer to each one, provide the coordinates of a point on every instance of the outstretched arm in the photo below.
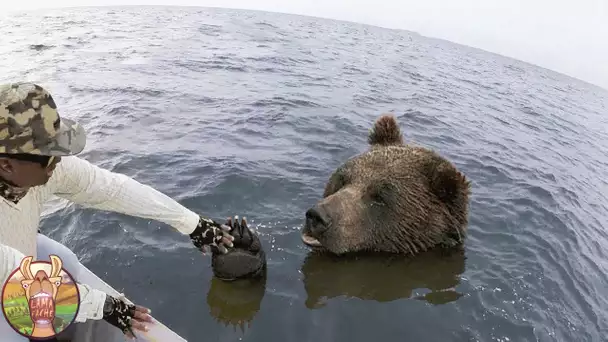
(81, 182)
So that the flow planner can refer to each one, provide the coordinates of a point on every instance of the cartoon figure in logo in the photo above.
(41, 292)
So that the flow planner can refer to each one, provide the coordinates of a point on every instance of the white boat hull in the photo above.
(102, 331)
(97, 330)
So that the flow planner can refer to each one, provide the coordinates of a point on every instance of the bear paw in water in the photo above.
(394, 197)
(245, 260)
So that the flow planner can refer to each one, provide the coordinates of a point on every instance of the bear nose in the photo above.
(317, 220)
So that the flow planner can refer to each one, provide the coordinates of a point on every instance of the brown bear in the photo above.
(395, 198)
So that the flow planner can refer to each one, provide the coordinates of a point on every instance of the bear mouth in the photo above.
(311, 241)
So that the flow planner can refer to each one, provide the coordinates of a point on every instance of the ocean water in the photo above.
(248, 113)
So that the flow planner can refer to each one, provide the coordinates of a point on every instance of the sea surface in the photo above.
(248, 113)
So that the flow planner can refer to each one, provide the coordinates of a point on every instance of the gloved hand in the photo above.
(126, 317)
(209, 233)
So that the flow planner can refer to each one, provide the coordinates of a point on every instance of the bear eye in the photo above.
(381, 193)
(338, 180)
(341, 180)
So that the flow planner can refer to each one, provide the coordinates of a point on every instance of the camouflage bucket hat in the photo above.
(30, 123)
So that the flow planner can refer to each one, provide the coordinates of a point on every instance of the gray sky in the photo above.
(567, 36)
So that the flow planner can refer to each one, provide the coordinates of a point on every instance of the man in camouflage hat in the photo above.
(38, 159)
(32, 131)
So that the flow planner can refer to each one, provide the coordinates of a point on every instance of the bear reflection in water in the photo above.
(237, 302)
(384, 277)
(431, 276)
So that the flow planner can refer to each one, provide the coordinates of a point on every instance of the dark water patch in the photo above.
(210, 30)
(266, 25)
(201, 66)
(41, 47)
(118, 91)
(280, 60)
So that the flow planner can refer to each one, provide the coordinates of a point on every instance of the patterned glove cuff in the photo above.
(206, 233)
(119, 314)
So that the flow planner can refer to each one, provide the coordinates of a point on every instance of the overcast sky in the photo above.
(569, 36)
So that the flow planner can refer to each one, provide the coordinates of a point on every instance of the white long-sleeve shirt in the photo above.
(83, 183)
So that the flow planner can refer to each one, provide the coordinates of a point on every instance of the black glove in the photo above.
(119, 314)
(212, 234)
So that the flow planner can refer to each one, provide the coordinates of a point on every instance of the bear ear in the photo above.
(385, 132)
(448, 184)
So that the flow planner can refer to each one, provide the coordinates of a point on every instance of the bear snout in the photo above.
(317, 221)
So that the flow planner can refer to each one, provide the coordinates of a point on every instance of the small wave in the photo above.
(280, 60)
(41, 47)
(282, 101)
(211, 65)
(117, 90)
(353, 70)
(265, 24)
(75, 22)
